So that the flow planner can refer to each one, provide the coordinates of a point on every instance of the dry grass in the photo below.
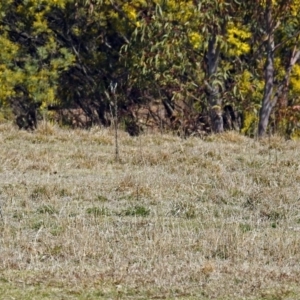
(174, 219)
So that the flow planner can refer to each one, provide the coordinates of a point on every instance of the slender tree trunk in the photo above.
(214, 99)
(281, 89)
(270, 98)
(267, 103)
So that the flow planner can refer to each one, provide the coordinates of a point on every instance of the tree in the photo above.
(199, 60)
(280, 25)
(32, 59)
(94, 32)
(61, 53)
(178, 47)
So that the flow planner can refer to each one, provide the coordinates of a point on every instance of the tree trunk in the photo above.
(267, 103)
(214, 99)
(270, 99)
(267, 106)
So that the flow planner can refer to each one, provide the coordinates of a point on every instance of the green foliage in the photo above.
(137, 210)
(33, 59)
(186, 56)
(250, 123)
(46, 209)
(97, 211)
(245, 227)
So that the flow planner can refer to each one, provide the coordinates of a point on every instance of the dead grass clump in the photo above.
(273, 142)
(47, 128)
(228, 136)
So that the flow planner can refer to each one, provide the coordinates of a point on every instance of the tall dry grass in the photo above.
(173, 219)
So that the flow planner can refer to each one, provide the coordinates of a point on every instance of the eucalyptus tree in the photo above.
(281, 26)
(276, 51)
(184, 50)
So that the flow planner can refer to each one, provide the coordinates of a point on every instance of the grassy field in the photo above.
(173, 219)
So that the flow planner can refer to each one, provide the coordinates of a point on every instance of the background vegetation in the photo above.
(188, 66)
